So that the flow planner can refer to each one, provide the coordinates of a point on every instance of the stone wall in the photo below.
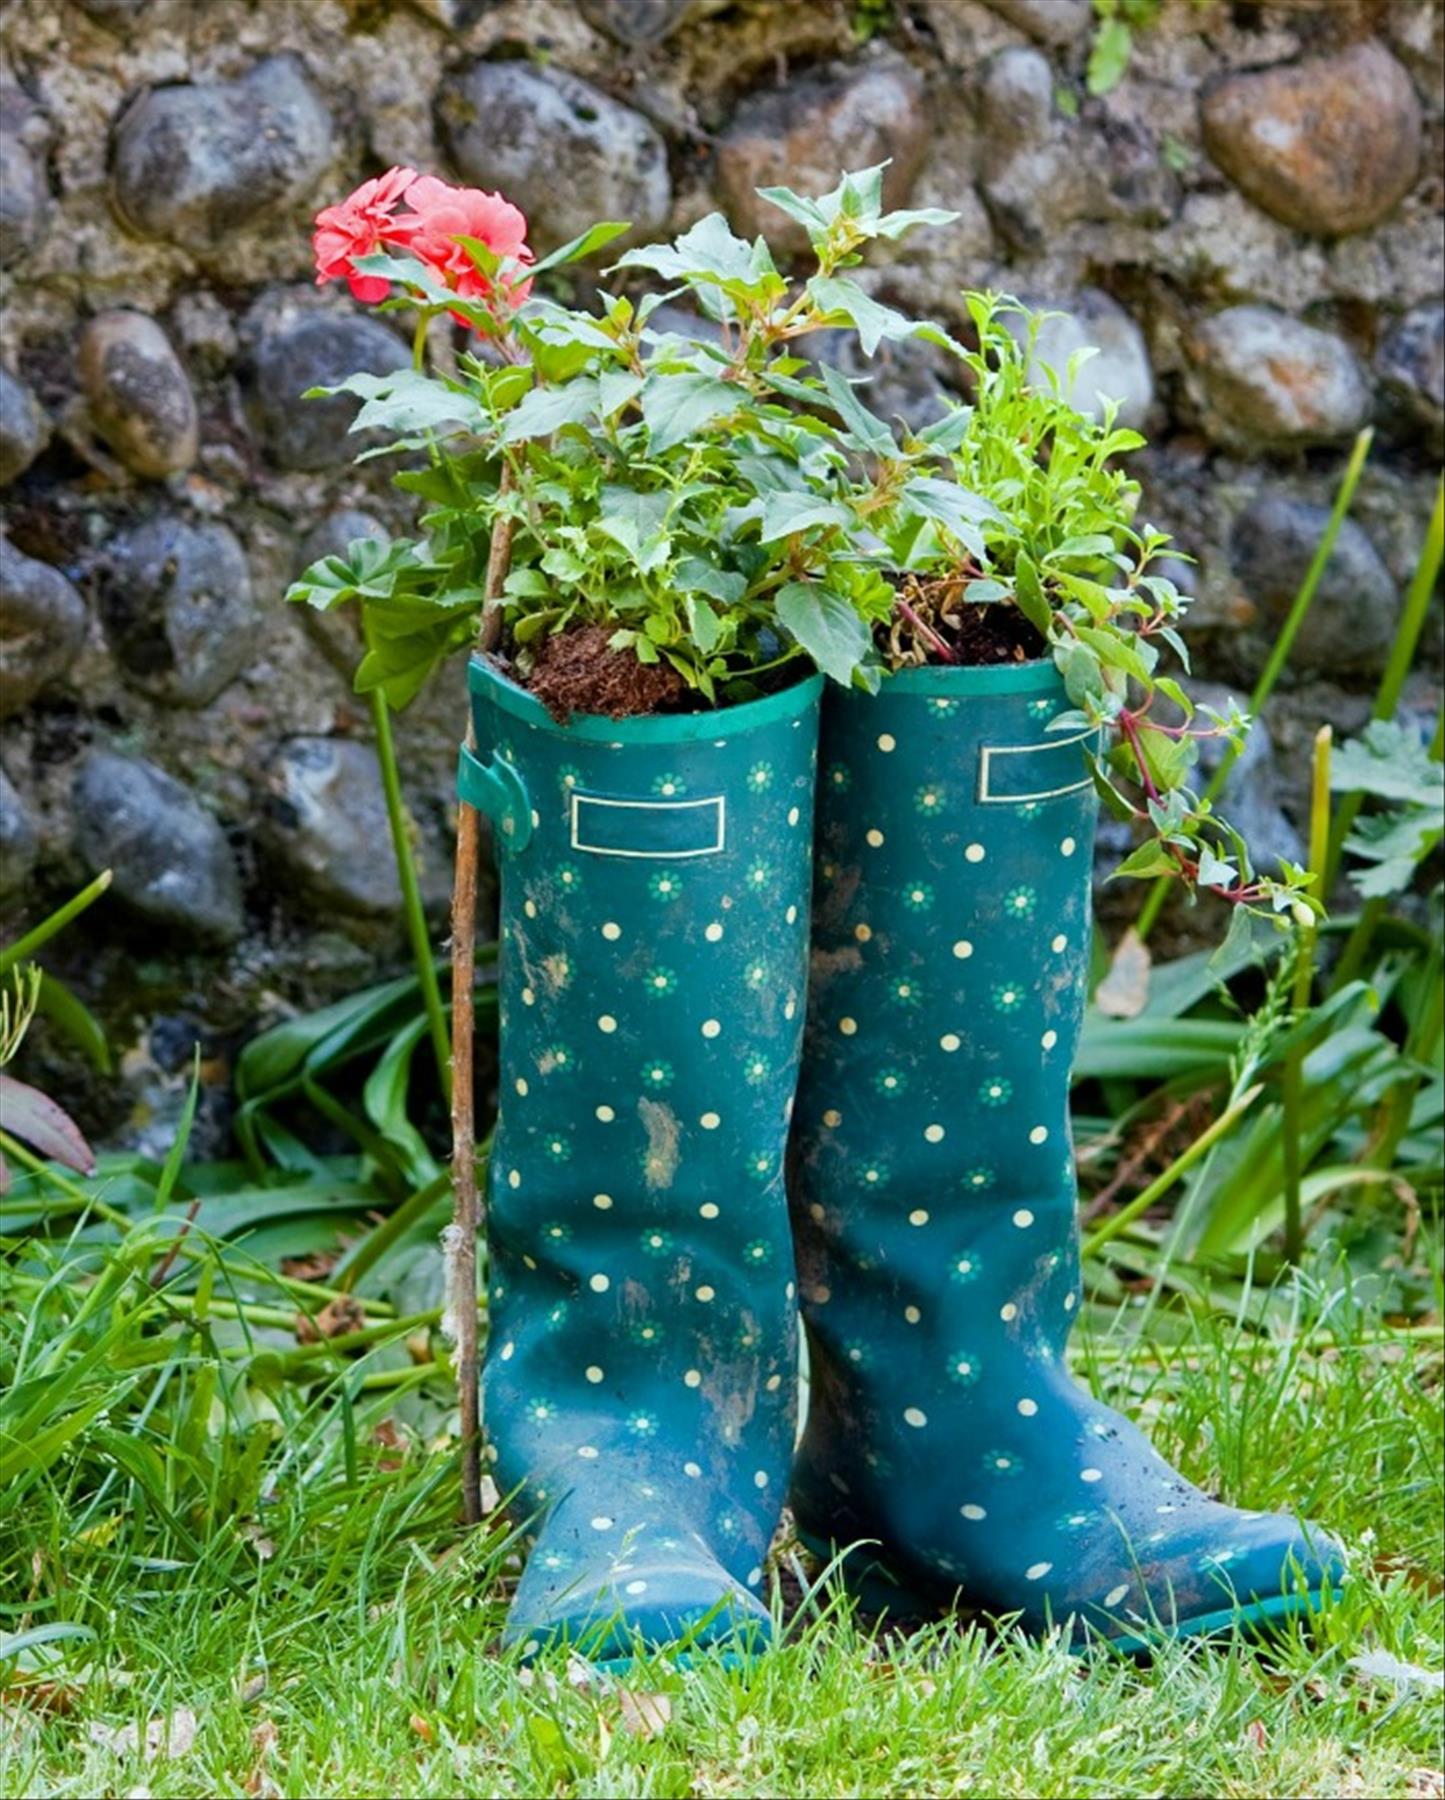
(1248, 227)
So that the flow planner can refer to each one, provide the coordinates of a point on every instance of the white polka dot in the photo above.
(912, 1314)
(1028, 1408)
(975, 853)
(710, 1028)
(820, 1296)
(875, 838)
(602, 1523)
(863, 933)
(606, 1114)
(887, 742)
(1067, 847)
(970, 1511)
(933, 1133)
(636, 1587)
(594, 1374)
(1039, 1134)
(602, 1201)
(708, 1209)
(1049, 1039)
(1091, 1474)
(1070, 1301)
(793, 815)
(773, 1383)
(963, 949)
(760, 1480)
(530, 908)
(587, 1451)
(692, 1469)
(1117, 1595)
(713, 932)
(847, 1026)
(528, 997)
(508, 1352)
(692, 1379)
(915, 1416)
(1059, 943)
(611, 931)
(790, 1008)
(832, 1118)
(710, 1121)
(522, 1087)
(607, 1023)
(918, 1217)
(1008, 1311)
(950, 1041)
(514, 1179)
(791, 915)
(705, 1293)
(599, 1284)
(1037, 1571)
(1023, 1218)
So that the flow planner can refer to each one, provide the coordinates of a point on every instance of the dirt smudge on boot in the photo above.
(663, 1151)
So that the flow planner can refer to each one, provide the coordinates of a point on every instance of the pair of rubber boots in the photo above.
(645, 1279)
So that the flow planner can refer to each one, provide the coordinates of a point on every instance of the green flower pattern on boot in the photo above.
(934, 1199)
(641, 1373)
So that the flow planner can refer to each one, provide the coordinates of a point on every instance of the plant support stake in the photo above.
(466, 1217)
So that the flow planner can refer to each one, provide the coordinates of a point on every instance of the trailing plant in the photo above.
(675, 488)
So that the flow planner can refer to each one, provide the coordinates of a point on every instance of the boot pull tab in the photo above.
(496, 789)
(1009, 774)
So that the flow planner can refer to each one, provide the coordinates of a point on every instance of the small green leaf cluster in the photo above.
(682, 488)
(1391, 763)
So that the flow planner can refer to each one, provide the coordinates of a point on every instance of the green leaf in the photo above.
(840, 298)
(786, 514)
(547, 409)
(825, 626)
(1149, 859)
(675, 407)
(1029, 593)
(1109, 56)
(864, 429)
(578, 249)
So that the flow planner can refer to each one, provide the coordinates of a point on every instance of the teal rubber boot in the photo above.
(934, 1195)
(640, 1387)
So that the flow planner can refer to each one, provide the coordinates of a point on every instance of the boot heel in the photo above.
(879, 1593)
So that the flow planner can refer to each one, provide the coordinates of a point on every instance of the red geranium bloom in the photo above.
(442, 213)
(363, 222)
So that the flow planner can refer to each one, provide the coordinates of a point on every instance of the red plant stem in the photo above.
(926, 632)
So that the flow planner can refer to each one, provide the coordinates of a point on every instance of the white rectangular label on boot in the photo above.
(1009, 774)
(648, 828)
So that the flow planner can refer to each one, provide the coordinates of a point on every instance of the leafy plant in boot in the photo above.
(1039, 518)
(666, 487)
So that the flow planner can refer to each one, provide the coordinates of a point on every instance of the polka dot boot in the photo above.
(934, 1198)
(640, 1379)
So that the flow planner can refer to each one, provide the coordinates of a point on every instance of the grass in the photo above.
(341, 1640)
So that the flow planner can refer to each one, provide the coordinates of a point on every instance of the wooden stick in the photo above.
(467, 1212)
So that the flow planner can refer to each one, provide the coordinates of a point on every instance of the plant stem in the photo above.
(58, 920)
(416, 927)
(1307, 938)
(467, 1216)
(1283, 644)
(1161, 1184)
(77, 1199)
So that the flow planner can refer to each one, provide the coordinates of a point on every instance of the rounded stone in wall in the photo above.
(24, 428)
(140, 397)
(318, 349)
(803, 135)
(1329, 145)
(42, 626)
(327, 828)
(640, 21)
(24, 196)
(561, 149)
(171, 861)
(178, 608)
(1265, 380)
(1119, 370)
(1050, 21)
(19, 841)
(1411, 367)
(195, 163)
(1351, 624)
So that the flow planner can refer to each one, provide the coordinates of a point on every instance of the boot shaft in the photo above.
(654, 898)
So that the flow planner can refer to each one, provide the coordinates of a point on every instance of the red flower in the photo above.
(363, 222)
(442, 213)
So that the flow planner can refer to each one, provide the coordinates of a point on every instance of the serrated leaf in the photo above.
(864, 429)
(784, 515)
(675, 407)
(825, 626)
(547, 409)
(837, 296)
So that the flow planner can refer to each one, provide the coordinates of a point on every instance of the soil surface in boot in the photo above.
(641, 1370)
(937, 623)
(934, 1197)
(578, 671)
